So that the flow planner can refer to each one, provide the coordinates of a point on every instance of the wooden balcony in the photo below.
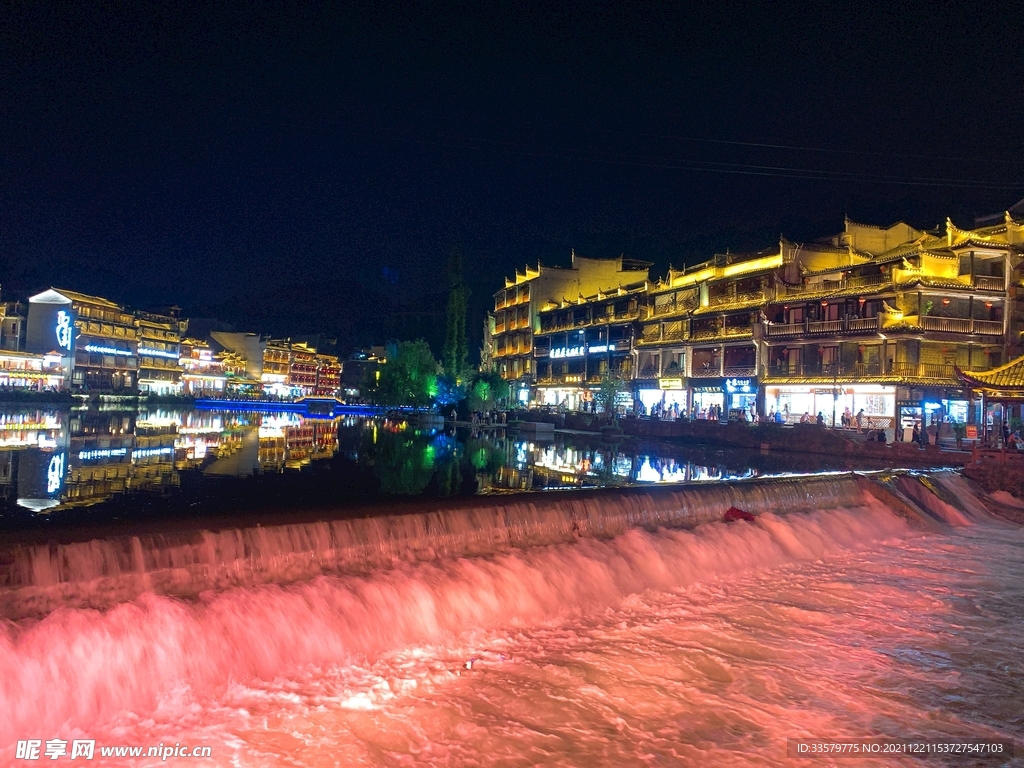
(898, 371)
(962, 325)
(986, 283)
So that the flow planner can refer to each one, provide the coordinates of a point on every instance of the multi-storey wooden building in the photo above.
(871, 322)
(580, 342)
(159, 352)
(508, 335)
(97, 337)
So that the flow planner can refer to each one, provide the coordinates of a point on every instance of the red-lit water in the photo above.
(703, 648)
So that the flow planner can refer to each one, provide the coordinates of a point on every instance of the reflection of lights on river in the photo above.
(55, 473)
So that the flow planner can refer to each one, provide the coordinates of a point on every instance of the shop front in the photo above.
(875, 404)
(934, 408)
(664, 397)
(741, 398)
(569, 398)
(707, 398)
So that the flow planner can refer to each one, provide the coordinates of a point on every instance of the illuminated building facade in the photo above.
(97, 337)
(159, 353)
(872, 321)
(696, 350)
(328, 375)
(301, 368)
(509, 337)
(276, 367)
(202, 374)
(581, 342)
(29, 370)
(242, 356)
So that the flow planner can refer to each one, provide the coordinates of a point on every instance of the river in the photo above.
(704, 646)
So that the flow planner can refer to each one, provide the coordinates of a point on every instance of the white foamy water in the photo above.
(708, 647)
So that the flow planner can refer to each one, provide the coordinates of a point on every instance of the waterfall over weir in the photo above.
(36, 579)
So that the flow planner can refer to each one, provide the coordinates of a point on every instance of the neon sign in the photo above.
(101, 453)
(157, 352)
(738, 385)
(55, 473)
(63, 330)
(567, 352)
(143, 453)
(106, 350)
(601, 348)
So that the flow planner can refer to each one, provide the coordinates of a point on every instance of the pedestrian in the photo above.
(860, 418)
(821, 419)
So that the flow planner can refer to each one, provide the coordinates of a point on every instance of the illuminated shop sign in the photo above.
(601, 348)
(101, 350)
(742, 386)
(670, 383)
(63, 330)
(156, 352)
(101, 453)
(568, 351)
(55, 473)
(143, 453)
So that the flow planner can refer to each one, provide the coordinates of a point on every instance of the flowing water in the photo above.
(639, 645)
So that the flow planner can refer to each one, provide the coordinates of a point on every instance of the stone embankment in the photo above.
(796, 438)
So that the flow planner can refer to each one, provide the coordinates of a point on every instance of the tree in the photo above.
(409, 377)
(610, 386)
(488, 390)
(455, 355)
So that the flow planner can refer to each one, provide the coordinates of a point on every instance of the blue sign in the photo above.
(63, 330)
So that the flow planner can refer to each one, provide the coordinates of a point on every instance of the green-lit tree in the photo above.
(487, 391)
(455, 355)
(607, 390)
(409, 377)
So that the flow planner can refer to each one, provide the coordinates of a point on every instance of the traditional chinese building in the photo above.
(878, 319)
(696, 349)
(301, 367)
(580, 342)
(97, 337)
(510, 333)
(159, 352)
(328, 375)
(202, 373)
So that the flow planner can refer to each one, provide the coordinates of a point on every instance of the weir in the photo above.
(37, 578)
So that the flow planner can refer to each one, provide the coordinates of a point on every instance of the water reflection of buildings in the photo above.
(52, 459)
(531, 465)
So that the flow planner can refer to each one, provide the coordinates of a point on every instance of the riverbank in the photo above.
(795, 438)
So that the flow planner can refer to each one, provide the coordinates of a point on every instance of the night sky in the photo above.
(303, 169)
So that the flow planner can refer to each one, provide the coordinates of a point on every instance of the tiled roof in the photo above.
(933, 282)
(1009, 376)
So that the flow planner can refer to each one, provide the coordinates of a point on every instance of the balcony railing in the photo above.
(737, 298)
(824, 326)
(962, 325)
(987, 283)
(740, 370)
(851, 283)
(721, 333)
(923, 370)
(657, 310)
(989, 327)
(895, 370)
(706, 371)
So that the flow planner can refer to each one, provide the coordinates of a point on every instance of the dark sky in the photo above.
(228, 158)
